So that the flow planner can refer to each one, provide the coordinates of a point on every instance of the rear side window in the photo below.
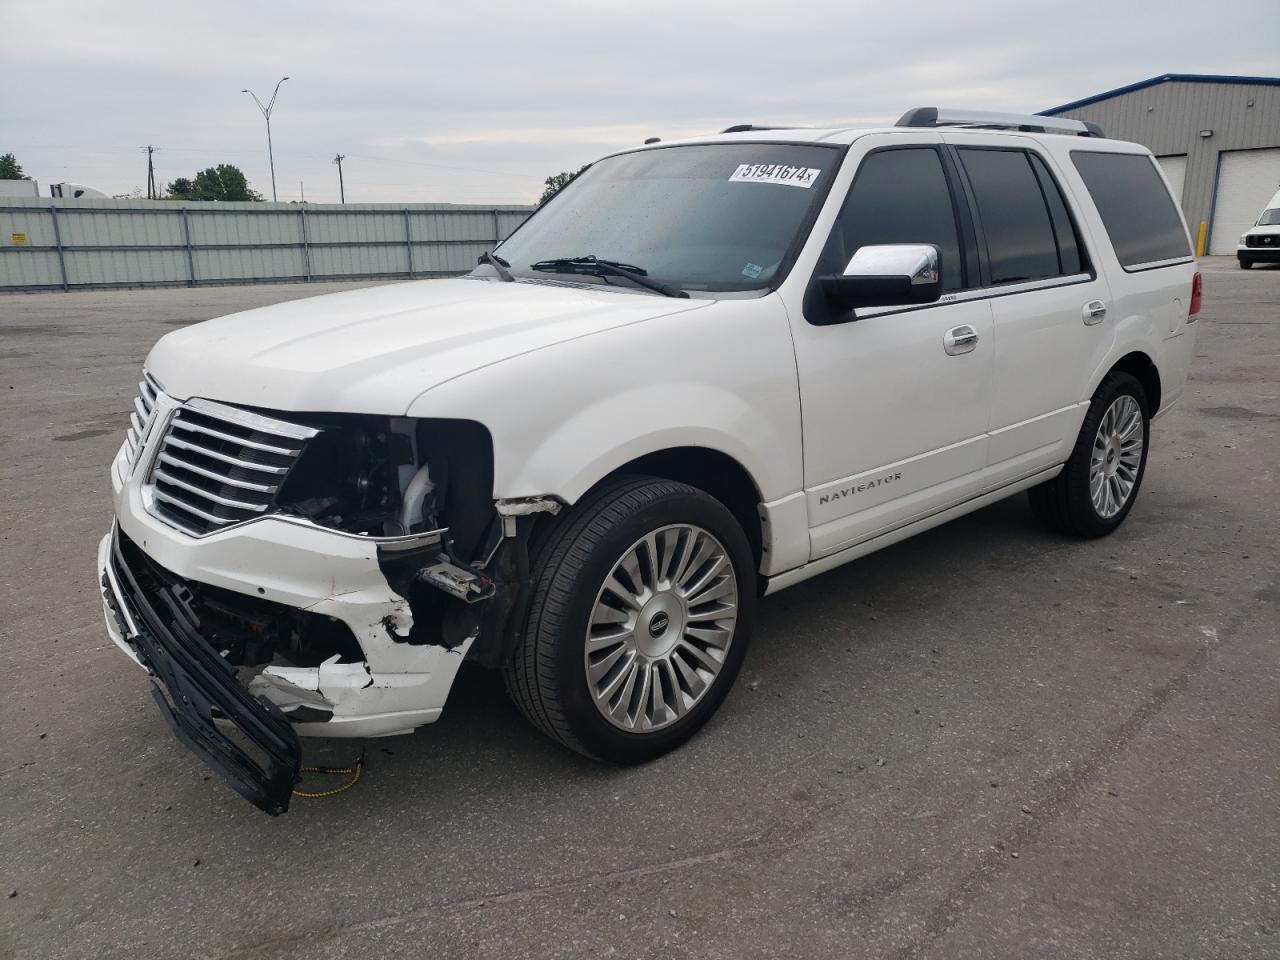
(1020, 239)
(1135, 207)
(898, 196)
(1071, 257)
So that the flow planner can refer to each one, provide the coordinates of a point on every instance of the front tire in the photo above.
(1096, 489)
(1246, 264)
(639, 619)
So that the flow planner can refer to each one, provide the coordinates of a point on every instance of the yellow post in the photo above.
(1204, 228)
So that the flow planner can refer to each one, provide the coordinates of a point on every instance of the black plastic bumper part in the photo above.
(197, 689)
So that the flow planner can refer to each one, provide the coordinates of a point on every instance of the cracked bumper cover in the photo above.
(397, 687)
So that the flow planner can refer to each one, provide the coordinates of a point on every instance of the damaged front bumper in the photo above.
(394, 672)
(247, 740)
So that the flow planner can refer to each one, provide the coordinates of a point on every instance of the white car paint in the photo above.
(376, 350)
(855, 435)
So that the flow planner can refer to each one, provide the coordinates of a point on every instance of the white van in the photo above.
(703, 372)
(1261, 242)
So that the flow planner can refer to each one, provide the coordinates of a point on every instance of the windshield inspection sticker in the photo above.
(775, 173)
(752, 270)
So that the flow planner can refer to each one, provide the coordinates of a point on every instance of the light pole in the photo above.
(266, 115)
(342, 192)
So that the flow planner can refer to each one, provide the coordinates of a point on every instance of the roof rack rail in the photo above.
(748, 127)
(1028, 123)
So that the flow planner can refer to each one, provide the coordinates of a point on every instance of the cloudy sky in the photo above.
(479, 102)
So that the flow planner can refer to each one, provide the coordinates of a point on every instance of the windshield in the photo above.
(714, 217)
(1270, 218)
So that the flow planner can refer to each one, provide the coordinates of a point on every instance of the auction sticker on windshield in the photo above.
(775, 173)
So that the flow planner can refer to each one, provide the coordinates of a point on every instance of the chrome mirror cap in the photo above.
(916, 261)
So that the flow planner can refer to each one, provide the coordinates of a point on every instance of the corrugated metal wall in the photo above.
(134, 243)
(1167, 118)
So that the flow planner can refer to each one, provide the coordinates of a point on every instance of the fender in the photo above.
(572, 459)
(564, 417)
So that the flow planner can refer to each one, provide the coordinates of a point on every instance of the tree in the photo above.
(224, 182)
(181, 189)
(10, 168)
(558, 182)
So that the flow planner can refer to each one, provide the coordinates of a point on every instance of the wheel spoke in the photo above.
(703, 579)
(652, 565)
(641, 712)
(604, 614)
(629, 566)
(672, 685)
(606, 693)
(702, 551)
(683, 554)
(723, 586)
(692, 679)
(701, 659)
(600, 669)
(719, 611)
(621, 709)
(616, 588)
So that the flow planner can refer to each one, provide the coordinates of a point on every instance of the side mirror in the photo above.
(887, 275)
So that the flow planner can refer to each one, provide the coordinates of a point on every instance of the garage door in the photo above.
(1246, 181)
(1175, 171)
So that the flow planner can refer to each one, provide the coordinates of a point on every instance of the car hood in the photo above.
(377, 349)
(1271, 229)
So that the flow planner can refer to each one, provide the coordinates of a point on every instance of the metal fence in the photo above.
(69, 244)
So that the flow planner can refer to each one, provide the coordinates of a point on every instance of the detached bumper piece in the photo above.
(247, 741)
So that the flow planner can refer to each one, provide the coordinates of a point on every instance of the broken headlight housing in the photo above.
(392, 476)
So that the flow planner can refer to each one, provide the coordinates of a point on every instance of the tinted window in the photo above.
(1135, 207)
(898, 196)
(1070, 257)
(1021, 244)
(704, 217)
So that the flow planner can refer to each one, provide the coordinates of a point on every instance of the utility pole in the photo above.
(153, 192)
(266, 115)
(342, 192)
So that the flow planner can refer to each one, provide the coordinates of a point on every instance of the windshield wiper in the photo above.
(498, 264)
(594, 266)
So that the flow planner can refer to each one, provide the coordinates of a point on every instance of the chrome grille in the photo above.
(218, 465)
(144, 404)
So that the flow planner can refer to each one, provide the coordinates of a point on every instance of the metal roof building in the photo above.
(1217, 138)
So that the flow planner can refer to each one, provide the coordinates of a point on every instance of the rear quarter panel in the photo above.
(1147, 307)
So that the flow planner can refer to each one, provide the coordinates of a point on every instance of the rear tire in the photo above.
(639, 618)
(1097, 488)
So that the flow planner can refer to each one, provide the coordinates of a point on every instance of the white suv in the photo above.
(703, 372)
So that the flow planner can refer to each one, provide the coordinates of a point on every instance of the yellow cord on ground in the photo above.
(353, 772)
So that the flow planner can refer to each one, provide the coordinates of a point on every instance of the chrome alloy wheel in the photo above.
(1117, 456)
(661, 627)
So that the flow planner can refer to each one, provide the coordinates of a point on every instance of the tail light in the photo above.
(1196, 290)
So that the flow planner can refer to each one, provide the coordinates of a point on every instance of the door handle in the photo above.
(958, 340)
(1095, 311)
